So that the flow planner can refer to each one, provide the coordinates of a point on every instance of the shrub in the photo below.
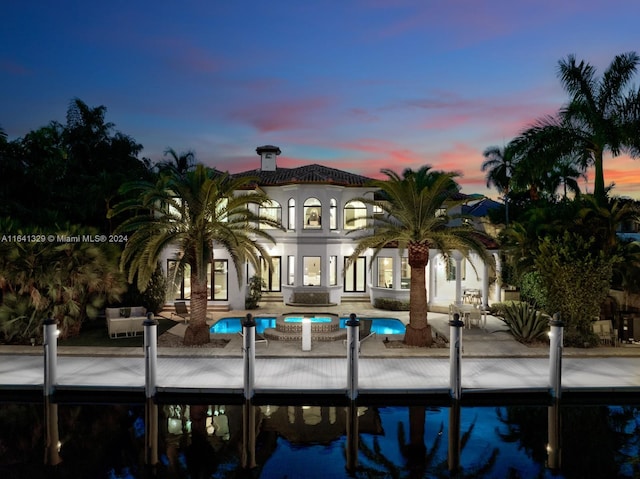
(256, 284)
(391, 304)
(154, 296)
(532, 290)
(525, 322)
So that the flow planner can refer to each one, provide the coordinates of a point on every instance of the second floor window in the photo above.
(355, 215)
(272, 210)
(312, 213)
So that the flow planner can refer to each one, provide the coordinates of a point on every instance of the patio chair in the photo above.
(474, 317)
(259, 338)
(602, 327)
(365, 330)
(181, 311)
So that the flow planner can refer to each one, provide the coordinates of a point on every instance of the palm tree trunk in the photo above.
(418, 331)
(197, 332)
(598, 180)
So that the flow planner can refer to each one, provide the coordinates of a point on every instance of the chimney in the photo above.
(268, 155)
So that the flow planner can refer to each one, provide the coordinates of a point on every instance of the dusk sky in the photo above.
(358, 85)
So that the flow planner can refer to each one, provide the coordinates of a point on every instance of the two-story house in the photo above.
(317, 209)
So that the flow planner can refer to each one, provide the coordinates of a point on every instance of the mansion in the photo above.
(318, 211)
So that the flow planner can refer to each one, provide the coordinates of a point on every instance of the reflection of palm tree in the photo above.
(420, 460)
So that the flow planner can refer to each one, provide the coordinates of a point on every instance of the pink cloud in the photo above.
(281, 115)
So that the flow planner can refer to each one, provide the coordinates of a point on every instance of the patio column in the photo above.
(455, 354)
(485, 285)
(249, 354)
(50, 345)
(555, 356)
(457, 256)
(353, 349)
(497, 296)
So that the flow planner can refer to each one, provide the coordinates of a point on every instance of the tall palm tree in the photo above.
(193, 212)
(602, 114)
(498, 164)
(413, 217)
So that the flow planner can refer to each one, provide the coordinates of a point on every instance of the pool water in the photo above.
(381, 326)
(314, 319)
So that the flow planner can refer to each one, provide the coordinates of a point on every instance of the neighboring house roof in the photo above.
(317, 174)
(481, 208)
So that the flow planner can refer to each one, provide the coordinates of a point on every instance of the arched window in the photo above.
(270, 209)
(333, 214)
(355, 214)
(292, 214)
(312, 213)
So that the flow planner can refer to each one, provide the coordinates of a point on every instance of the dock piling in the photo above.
(249, 355)
(455, 355)
(353, 351)
(50, 355)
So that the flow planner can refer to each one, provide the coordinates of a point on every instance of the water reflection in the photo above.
(215, 440)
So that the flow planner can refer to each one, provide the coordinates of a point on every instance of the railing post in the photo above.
(150, 355)
(50, 345)
(353, 350)
(249, 354)
(555, 355)
(455, 355)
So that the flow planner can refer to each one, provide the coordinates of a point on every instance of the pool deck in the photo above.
(493, 365)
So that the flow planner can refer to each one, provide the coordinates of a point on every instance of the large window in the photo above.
(405, 274)
(291, 213)
(272, 210)
(180, 281)
(385, 272)
(291, 270)
(312, 272)
(355, 275)
(312, 213)
(271, 275)
(220, 280)
(355, 213)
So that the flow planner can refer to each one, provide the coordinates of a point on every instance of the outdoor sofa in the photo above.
(125, 322)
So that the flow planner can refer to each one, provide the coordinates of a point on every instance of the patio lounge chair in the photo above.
(260, 338)
(365, 330)
(181, 311)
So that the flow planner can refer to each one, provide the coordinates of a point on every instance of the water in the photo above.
(108, 441)
(314, 319)
(381, 326)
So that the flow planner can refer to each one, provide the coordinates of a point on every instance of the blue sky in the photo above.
(358, 85)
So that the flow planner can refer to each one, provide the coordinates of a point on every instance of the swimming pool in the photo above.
(234, 325)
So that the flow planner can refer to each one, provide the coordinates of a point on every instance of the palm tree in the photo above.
(499, 165)
(413, 217)
(602, 115)
(181, 163)
(193, 212)
(565, 174)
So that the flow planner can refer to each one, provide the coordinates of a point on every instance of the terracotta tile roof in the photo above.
(315, 174)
